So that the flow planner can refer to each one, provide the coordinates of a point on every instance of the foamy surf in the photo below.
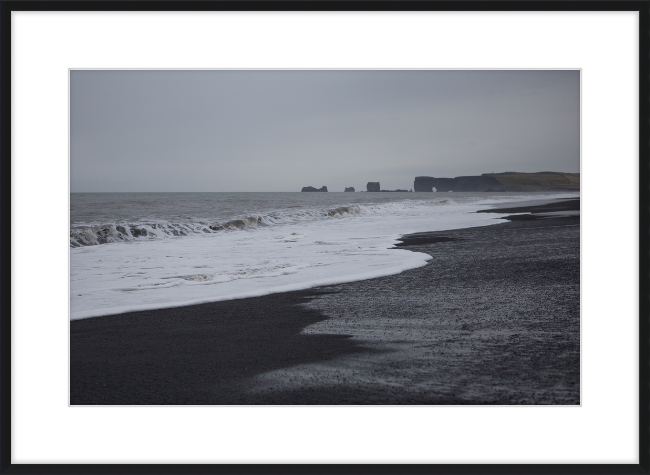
(289, 251)
(124, 231)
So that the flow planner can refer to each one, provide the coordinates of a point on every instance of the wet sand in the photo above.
(492, 319)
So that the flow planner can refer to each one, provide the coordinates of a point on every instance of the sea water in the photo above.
(142, 251)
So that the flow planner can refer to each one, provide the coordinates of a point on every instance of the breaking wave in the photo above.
(124, 232)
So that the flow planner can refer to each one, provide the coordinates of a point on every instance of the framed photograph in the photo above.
(329, 237)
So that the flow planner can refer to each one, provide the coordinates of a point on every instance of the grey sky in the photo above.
(282, 130)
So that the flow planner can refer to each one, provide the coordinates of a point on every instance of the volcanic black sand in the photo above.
(493, 318)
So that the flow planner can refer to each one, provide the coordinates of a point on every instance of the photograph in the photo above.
(324, 237)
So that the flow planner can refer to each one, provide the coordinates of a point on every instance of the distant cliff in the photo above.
(311, 188)
(350, 189)
(513, 181)
(460, 183)
(508, 181)
(373, 186)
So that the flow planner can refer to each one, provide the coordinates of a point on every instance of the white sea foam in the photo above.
(252, 257)
(94, 234)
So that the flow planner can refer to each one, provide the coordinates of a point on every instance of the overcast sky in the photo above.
(282, 130)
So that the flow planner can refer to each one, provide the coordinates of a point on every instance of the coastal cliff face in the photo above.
(513, 181)
(350, 189)
(373, 186)
(509, 181)
(460, 183)
(311, 188)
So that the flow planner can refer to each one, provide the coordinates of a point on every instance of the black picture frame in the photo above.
(643, 7)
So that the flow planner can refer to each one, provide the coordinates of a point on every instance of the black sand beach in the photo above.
(493, 318)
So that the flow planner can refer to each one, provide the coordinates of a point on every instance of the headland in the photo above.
(507, 181)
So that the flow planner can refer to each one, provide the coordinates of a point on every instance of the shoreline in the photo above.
(297, 347)
(123, 307)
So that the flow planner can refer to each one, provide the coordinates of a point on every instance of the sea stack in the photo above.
(373, 186)
(350, 189)
(311, 188)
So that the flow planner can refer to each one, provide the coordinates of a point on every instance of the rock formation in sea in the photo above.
(508, 181)
(373, 186)
(311, 188)
(350, 189)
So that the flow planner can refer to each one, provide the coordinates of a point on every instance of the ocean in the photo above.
(143, 251)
